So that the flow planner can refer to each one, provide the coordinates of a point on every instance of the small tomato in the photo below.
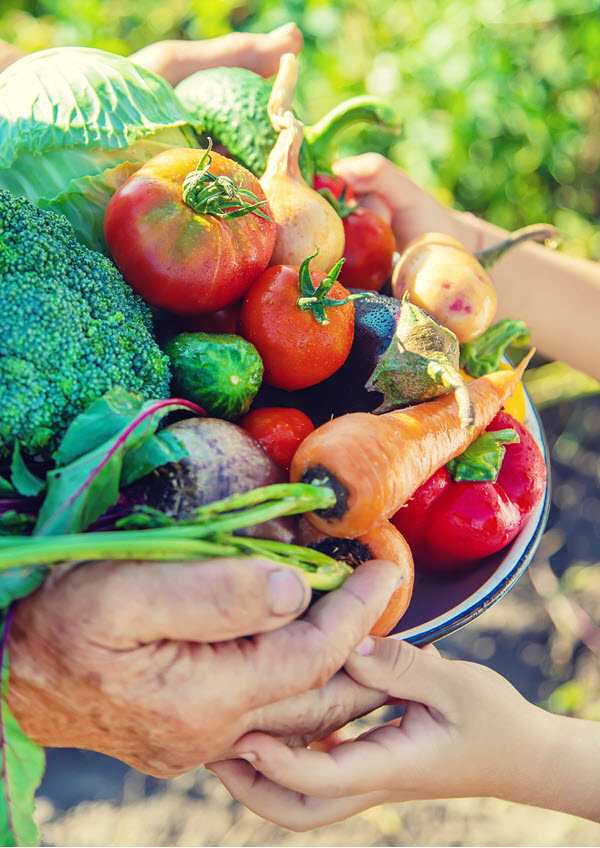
(301, 322)
(368, 251)
(279, 430)
(369, 240)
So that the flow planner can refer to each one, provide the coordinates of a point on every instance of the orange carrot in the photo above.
(383, 541)
(375, 463)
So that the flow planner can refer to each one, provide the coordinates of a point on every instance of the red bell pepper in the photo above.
(451, 522)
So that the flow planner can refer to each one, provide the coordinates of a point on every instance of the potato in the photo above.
(442, 277)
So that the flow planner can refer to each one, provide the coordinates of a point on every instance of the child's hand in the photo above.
(390, 192)
(466, 732)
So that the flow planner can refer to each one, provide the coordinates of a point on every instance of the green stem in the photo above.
(363, 109)
(484, 354)
(97, 546)
(537, 232)
(316, 299)
(207, 194)
(304, 494)
(205, 535)
(340, 204)
(322, 572)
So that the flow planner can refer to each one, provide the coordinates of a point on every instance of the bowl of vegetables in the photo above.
(441, 605)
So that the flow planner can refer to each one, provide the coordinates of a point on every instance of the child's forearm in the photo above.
(8, 54)
(558, 296)
(562, 770)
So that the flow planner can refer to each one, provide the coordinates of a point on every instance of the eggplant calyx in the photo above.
(420, 363)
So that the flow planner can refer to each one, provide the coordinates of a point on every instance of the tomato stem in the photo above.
(316, 299)
(341, 205)
(208, 194)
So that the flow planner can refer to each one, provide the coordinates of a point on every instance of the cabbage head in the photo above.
(75, 123)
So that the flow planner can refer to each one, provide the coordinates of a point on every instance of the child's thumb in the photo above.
(401, 670)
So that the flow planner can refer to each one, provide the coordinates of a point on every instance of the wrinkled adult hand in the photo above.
(175, 60)
(166, 665)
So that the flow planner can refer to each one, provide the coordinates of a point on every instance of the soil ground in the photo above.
(543, 636)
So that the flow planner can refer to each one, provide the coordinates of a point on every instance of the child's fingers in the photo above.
(352, 768)
(376, 204)
(403, 671)
(285, 807)
(371, 172)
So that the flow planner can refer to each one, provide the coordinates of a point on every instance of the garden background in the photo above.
(499, 104)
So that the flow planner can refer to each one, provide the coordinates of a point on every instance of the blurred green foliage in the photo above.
(499, 99)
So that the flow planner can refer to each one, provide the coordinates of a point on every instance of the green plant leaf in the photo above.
(23, 764)
(6, 488)
(161, 448)
(102, 420)
(26, 483)
(87, 484)
(67, 97)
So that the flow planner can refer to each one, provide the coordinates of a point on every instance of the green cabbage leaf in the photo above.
(75, 123)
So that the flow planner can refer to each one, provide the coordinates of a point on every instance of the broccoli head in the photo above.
(70, 329)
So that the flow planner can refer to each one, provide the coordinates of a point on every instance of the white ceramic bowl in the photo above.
(441, 606)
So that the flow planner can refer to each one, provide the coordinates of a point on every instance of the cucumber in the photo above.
(230, 106)
(220, 372)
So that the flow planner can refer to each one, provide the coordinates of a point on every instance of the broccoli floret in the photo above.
(70, 329)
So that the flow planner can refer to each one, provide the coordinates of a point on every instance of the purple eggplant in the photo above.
(375, 320)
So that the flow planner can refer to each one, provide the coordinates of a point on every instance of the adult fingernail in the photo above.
(366, 647)
(287, 593)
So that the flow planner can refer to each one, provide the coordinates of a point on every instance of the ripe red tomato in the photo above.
(279, 430)
(296, 349)
(189, 260)
(336, 185)
(368, 251)
(369, 240)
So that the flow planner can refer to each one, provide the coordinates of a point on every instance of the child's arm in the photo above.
(466, 732)
(8, 54)
(556, 295)
(177, 59)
